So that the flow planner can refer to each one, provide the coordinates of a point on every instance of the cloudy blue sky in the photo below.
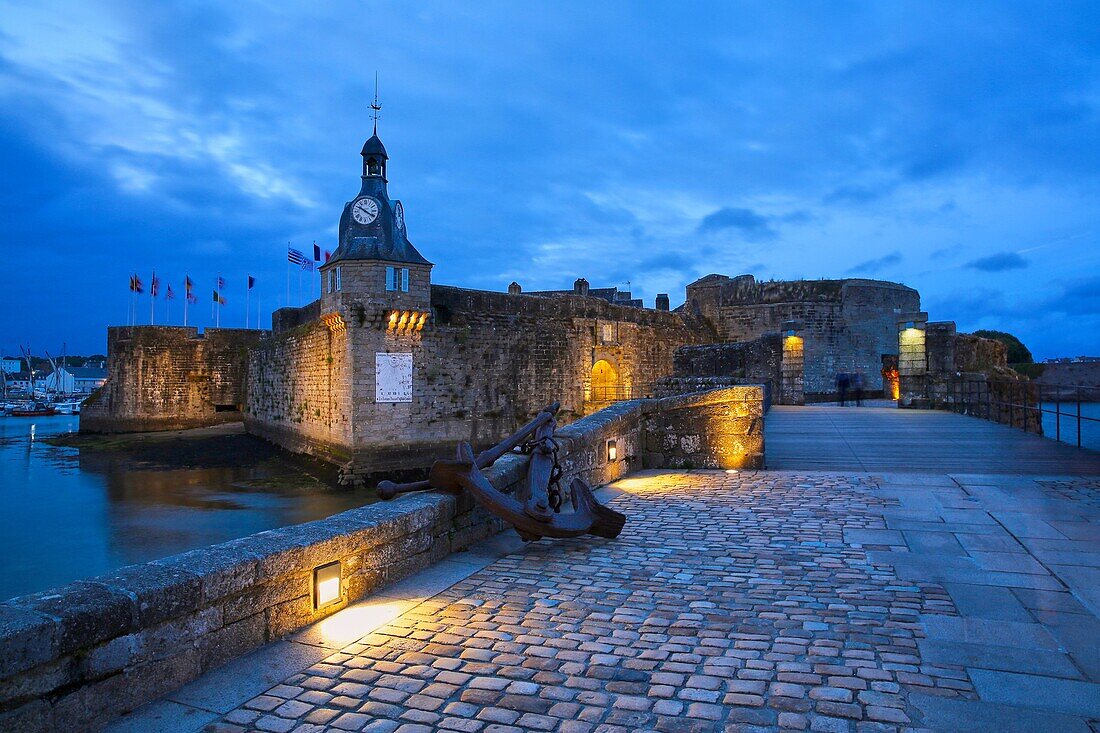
(951, 146)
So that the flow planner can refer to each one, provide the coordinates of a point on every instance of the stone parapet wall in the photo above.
(170, 378)
(771, 360)
(75, 657)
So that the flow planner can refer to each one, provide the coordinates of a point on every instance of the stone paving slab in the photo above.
(732, 601)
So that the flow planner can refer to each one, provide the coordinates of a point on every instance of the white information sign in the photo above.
(393, 377)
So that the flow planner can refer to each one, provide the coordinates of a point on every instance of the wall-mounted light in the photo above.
(612, 451)
(327, 585)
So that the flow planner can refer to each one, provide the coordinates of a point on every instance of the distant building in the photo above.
(73, 380)
(12, 365)
(19, 381)
(611, 295)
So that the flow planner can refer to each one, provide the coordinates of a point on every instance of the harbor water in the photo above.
(81, 509)
(1090, 429)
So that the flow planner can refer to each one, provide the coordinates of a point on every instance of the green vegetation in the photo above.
(1017, 352)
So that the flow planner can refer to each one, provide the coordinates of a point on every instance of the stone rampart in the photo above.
(484, 364)
(847, 325)
(170, 378)
(75, 657)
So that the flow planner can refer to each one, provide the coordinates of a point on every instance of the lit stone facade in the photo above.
(387, 370)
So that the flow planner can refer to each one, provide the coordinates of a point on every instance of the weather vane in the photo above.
(375, 106)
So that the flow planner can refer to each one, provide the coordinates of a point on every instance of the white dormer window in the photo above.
(397, 279)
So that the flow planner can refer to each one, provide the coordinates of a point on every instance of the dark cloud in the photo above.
(749, 223)
(200, 138)
(874, 266)
(999, 262)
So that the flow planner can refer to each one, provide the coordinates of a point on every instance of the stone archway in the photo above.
(604, 381)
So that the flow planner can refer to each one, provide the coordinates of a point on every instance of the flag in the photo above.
(221, 282)
(307, 265)
(316, 253)
(168, 294)
(188, 284)
(154, 285)
(135, 284)
(295, 256)
(327, 255)
(251, 282)
(218, 298)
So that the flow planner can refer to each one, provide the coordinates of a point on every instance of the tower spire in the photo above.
(375, 106)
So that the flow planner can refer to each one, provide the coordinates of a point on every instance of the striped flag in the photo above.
(218, 298)
(307, 265)
(327, 255)
(189, 289)
(296, 256)
(135, 284)
(316, 253)
(168, 294)
(251, 282)
(221, 282)
(154, 286)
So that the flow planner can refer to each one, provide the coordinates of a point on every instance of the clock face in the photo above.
(399, 216)
(365, 210)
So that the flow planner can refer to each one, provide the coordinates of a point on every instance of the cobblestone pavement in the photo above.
(731, 602)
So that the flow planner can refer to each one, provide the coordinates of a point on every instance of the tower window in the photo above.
(338, 277)
(373, 167)
(397, 279)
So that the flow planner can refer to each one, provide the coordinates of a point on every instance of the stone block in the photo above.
(223, 569)
(166, 639)
(27, 638)
(232, 641)
(33, 717)
(86, 613)
(159, 593)
(40, 681)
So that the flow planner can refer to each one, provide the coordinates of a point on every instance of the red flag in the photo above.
(327, 255)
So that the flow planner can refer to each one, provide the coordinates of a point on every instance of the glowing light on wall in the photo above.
(334, 321)
(406, 321)
(327, 588)
(612, 451)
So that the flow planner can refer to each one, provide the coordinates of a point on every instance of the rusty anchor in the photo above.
(536, 510)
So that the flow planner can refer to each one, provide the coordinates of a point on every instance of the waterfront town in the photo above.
(669, 420)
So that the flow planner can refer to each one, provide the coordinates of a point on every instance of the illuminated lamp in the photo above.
(393, 320)
(420, 321)
(326, 585)
(404, 320)
(612, 451)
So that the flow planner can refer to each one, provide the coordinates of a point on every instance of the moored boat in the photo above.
(38, 409)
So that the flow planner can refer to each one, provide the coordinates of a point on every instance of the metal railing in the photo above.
(619, 392)
(1023, 404)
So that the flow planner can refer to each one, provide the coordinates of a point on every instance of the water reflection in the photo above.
(74, 512)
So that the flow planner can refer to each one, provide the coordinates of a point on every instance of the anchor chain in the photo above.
(554, 492)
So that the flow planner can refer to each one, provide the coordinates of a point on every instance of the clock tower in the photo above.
(375, 266)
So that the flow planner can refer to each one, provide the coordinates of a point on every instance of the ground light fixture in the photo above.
(326, 585)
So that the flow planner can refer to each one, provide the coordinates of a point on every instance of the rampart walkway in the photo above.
(888, 439)
(732, 601)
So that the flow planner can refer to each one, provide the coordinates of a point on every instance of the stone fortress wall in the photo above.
(847, 325)
(483, 364)
(171, 378)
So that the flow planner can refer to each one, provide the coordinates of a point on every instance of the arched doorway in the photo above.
(605, 382)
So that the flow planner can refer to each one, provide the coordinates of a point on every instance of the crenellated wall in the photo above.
(847, 325)
(169, 378)
(484, 364)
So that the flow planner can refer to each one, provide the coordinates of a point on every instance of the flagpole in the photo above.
(288, 274)
(299, 286)
(247, 297)
(186, 297)
(152, 296)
